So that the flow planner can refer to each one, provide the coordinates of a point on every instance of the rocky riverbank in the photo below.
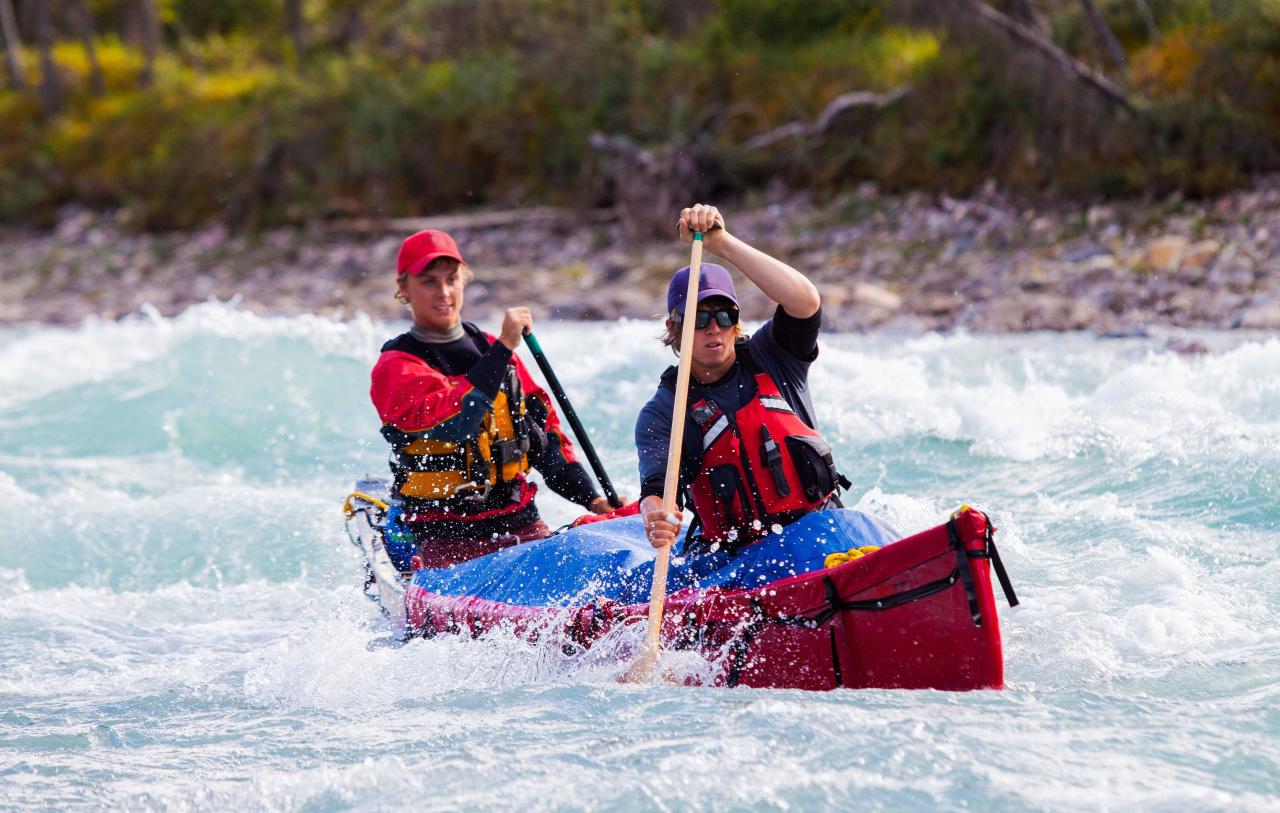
(912, 262)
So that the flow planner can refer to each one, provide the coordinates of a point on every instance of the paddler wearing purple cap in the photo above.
(751, 457)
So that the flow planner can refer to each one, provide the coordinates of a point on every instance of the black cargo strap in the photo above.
(426, 630)
(742, 644)
(966, 575)
(989, 551)
(836, 671)
(836, 604)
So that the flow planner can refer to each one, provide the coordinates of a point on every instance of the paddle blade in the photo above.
(644, 667)
(650, 668)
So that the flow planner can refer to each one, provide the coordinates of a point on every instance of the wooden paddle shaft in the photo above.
(658, 596)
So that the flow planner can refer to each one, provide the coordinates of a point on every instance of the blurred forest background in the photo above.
(265, 112)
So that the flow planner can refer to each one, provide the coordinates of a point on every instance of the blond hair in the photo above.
(402, 279)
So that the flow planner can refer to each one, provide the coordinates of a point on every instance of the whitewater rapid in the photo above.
(181, 624)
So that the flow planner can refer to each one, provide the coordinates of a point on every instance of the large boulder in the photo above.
(1166, 253)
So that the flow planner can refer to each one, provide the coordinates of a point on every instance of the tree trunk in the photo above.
(348, 27)
(12, 45)
(84, 23)
(295, 26)
(1025, 13)
(1067, 64)
(1144, 10)
(1109, 40)
(150, 40)
(50, 87)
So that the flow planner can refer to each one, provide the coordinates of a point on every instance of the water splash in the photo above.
(178, 600)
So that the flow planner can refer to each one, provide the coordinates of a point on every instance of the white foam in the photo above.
(194, 607)
(1040, 400)
(13, 581)
(43, 360)
(1101, 609)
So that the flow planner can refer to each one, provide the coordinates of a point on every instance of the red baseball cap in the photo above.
(418, 250)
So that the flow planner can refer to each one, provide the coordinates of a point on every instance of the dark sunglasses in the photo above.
(725, 317)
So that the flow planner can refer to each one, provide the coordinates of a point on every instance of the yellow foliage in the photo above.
(439, 75)
(223, 87)
(1169, 67)
(120, 65)
(16, 106)
(386, 116)
(815, 74)
(69, 132)
(905, 52)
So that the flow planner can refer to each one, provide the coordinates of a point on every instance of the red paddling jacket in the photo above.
(466, 422)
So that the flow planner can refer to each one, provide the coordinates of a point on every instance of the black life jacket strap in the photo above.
(694, 542)
(455, 461)
(772, 457)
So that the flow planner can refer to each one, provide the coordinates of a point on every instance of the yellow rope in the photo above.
(841, 557)
(350, 512)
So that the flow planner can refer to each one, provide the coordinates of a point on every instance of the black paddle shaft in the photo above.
(572, 417)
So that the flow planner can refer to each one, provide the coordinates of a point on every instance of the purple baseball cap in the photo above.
(713, 280)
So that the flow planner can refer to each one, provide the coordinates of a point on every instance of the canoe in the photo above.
(833, 600)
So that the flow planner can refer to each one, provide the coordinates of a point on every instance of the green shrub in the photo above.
(408, 106)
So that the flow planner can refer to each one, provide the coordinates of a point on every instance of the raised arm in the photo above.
(779, 281)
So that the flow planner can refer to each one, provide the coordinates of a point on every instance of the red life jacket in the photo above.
(761, 465)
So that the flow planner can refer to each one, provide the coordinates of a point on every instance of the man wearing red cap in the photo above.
(751, 457)
(464, 419)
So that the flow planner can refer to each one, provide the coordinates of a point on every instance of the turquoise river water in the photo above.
(181, 624)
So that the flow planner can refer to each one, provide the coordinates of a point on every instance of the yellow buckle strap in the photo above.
(349, 511)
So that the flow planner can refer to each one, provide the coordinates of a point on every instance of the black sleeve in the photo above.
(488, 372)
(572, 482)
(798, 337)
(690, 459)
(652, 486)
(569, 480)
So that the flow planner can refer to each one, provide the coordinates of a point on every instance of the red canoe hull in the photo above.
(917, 614)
